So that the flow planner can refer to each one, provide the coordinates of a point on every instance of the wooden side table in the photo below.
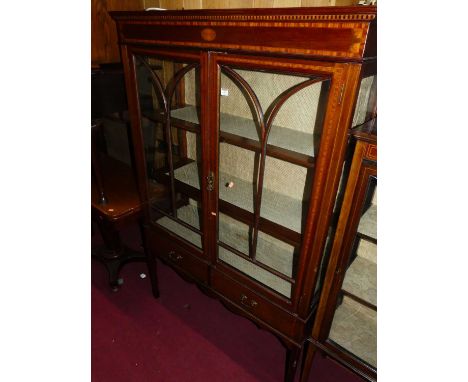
(114, 203)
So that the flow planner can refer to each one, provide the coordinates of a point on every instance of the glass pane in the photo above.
(295, 128)
(366, 102)
(169, 102)
(270, 251)
(265, 277)
(263, 199)
(236, 169)
(354, 326)
(286, 193)
(333, 225)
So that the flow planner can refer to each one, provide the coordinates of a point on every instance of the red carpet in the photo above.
(182, 336)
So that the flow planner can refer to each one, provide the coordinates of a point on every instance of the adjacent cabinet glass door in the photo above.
(270, 124)
(169, 98)
(366, 104)
(354, 325)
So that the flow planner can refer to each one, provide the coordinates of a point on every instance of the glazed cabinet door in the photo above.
(354, 324)
(168, 86)
(346, 320)
(270, 119)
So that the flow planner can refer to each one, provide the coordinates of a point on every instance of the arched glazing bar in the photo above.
(165, 94)
(265, 121)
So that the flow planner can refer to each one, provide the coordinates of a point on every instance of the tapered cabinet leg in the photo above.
(151, 264)
(292, 358)
(310, 351)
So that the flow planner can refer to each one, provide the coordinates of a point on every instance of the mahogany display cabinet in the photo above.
(345, 326)
(240, 121)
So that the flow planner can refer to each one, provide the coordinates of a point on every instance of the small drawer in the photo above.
(254, 304)
(177, 257)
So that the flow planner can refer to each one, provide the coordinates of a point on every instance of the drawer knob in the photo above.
(174, 257)
(245, 301)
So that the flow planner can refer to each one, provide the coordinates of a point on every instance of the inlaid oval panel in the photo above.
(208, 34)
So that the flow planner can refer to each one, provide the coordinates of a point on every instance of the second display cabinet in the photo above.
(345, 326)
(239, 123)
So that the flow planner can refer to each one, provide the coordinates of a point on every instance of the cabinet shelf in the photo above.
(361, 281)
(276, 208)
(367, 228)
(285, 234)
(280, 215)
(273, 151)
(285, 144)
(181, 123)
